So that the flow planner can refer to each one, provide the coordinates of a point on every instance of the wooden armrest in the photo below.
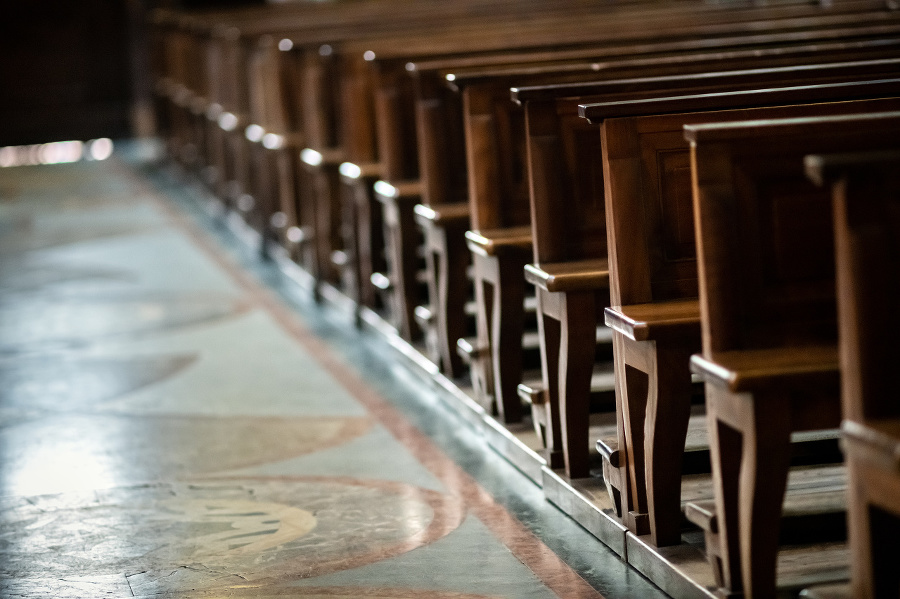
(494, 242)
(445, 214)
(326, 156)
(351, 170)
(470, 350)
(402, 191)
(642, 322)
(876, 441)
(748, 370)
(584, 275)
(609, 448)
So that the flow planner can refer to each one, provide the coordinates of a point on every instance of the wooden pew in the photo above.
(865, 187)
(654, 291)
(767, 297)
(500, 236)
(498, 203)
(553, 124)
(332, 219)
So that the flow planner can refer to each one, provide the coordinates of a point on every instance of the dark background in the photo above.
(77, 69)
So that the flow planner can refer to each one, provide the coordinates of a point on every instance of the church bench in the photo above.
(767, 295)
(650, 233)
(365, 157)
(552, 125)
(500, 240)
(865, 188)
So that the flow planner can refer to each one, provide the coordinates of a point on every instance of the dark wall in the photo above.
(76, 69)
(64, 68)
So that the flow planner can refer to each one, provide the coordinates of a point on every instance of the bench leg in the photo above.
(764, 471)
(874, 524)
(725, 461)
(632, 383)
(351, 275)
(578, 342)
(482, 367)
(235, 172)
(668, 413)
(369, 241)
(550, 331)
(507, 327)
(750, 455)
(324, 187)
(287, 194)
(447, 278)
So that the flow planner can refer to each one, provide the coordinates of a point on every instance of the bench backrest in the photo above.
(499, 42)
(764, 231)
(496, 149)
(565, 220)
(648, 189)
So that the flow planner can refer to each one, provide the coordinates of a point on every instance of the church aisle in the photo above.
(176, 420)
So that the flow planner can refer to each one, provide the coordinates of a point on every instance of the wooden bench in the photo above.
(553, 125)
(500, 237)
(653, 275)
(865, 187)
(498, 200)
(767, 296)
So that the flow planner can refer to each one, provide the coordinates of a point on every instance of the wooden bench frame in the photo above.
(547, 172)
(500, 240)
(760, 386)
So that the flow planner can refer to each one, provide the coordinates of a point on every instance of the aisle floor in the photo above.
(179, 419)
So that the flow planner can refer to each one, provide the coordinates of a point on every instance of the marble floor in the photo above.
(179, 419)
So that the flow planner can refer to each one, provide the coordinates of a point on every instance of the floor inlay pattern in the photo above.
(221, 532)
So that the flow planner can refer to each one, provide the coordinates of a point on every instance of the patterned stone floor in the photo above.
(177, 420)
